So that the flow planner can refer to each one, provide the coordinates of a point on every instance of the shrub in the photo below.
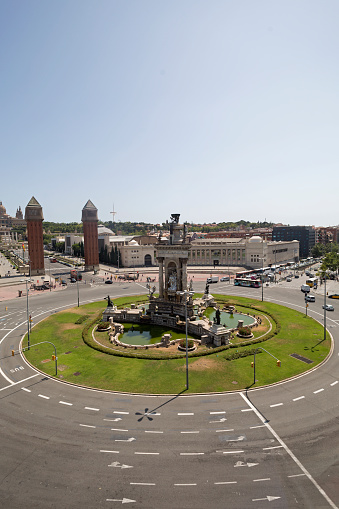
(245, 331)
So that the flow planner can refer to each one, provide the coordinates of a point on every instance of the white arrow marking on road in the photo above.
(242, 464)
(223, 419)
(269, 498)
(119, 465)
(113, 420)
(123, 501)
(128, 440)
(239, 439)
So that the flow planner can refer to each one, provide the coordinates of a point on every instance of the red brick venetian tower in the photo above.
(90, 223)
(34, 218)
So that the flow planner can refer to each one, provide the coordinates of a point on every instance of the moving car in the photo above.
(213, 279)
(288, 279)
(328, 307)
(310, 298)
(305, 288)
(225, 278)
(334, 296)
(108, 282)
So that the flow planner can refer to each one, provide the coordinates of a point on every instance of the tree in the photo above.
(60, 247)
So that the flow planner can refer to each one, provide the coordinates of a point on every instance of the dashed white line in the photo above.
(120, 413)
(24, 389)
(148, 453)
(247, 410)
(222, 430)
(91, 408)
(186, 413)
(44, 397)
(230, 452)
(319, 390)
(189, 431)
(87, 426)
(276, 404)
(297, 399)
(273, 447)
(259, 426)
(259, 480)
(143, 483)
(226, 482)
(113, 452)
(217, 413)
(118, 429)
(146, 431)
(334, 383)
(296, 475)
(188, 484)
(65, 403)
(191, 453)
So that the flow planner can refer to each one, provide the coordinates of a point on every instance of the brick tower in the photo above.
(90, 222)
(34, 218)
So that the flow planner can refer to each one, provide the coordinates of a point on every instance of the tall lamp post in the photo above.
(78, 287)
(188, 294)
(262, 278)
(325, 307)
(28, 331)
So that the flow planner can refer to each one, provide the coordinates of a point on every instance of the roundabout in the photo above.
(69, 446)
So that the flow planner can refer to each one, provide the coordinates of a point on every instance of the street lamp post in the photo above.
(325, 308)
(188, 294)
(28, 331)
(78, 287)
(262, 279)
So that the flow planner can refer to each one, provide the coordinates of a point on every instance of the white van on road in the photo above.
(305, 288)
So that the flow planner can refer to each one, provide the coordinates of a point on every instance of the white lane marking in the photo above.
(300, 397)
(255, 427)
(113, 452)
(118, 429)
(143, 483)
(230, 452)
(247, 410)
(191, 453)
(117, 464)
(222, 419)
(259, 480)
(288, 450)
(87, 426)
(131, 439)
(122, 500)
(319, 390)
(189, 431)
(186, 413)
(221, 430)
(65, 403)
(42, 396)
(148, 453)
(153, 431)
(273, 447)
(122, 413)
(113, 420)
(334, 383)
(24, 389)
(276, 404)
(188, 484)
(226, 482)
(296, 475)
(217, 413)
(93, 409)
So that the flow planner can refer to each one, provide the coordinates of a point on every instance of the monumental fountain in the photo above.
(174, 304)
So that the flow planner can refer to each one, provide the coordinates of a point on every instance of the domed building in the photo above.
(7, 223)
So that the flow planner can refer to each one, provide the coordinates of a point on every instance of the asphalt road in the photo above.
(66, 446)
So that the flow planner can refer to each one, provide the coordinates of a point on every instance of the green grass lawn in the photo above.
(81, 364)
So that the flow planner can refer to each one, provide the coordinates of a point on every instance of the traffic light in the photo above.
(252, 364)
(278, 364)
(53, 357)
(13, 353)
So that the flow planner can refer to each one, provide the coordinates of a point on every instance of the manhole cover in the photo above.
(77, 373)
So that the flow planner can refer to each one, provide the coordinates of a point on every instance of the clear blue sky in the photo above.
(218, 110)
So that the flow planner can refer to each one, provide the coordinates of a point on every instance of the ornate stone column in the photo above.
(161, 277)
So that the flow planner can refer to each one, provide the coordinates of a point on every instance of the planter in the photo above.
(104, 330)
(245, 336)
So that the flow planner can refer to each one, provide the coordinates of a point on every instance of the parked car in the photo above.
(225, 278)
(63, 282)
(334, 296)
(310, 298)
(328, 307)
(288, 279)
(73, 280)
(296, 276)
(108, 281)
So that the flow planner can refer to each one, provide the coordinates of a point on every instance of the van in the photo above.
(305, 288)
(213, 279)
